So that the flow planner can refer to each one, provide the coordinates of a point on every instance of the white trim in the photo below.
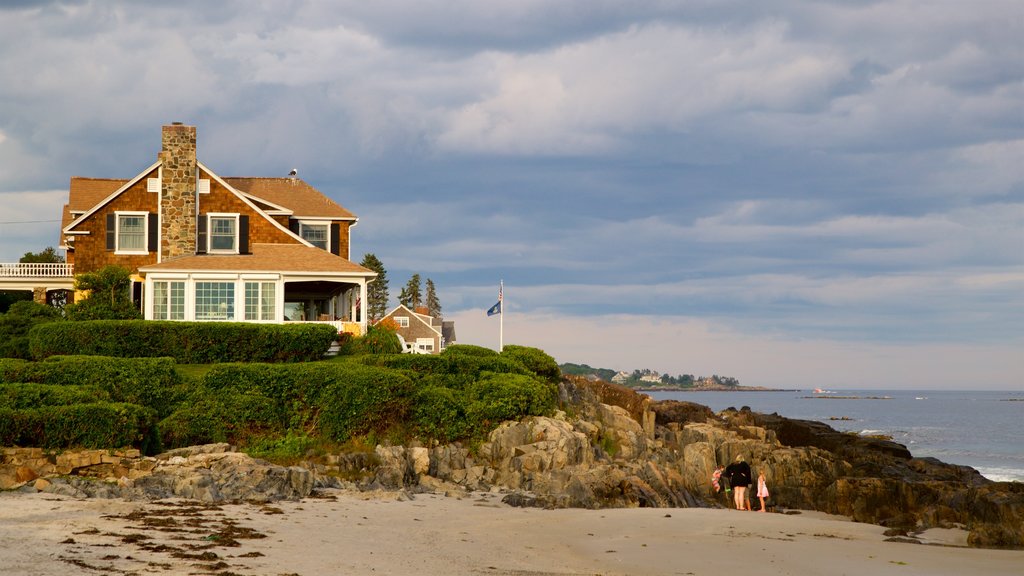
(117, 232)
(325, 223)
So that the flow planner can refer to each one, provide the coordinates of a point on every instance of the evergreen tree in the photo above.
(433, 304)
(411, 296)
(377, 291)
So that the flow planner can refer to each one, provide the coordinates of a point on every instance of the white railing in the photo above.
(37, 270)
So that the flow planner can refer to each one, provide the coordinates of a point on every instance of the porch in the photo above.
(38, 278)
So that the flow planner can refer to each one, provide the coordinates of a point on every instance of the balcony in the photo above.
(29, 276)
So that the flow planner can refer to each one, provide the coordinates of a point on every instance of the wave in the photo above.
(1000, 474)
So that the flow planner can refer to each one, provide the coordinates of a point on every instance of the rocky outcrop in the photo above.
(610, 448)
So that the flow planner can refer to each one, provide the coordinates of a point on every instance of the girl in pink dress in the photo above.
(762, 490)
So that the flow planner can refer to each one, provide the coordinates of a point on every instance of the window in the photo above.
(131, 232)
(316, 234)
(224, 233)
(168, 300)
(215, 300)
(402, 321)
(425, 344)
(260, 300)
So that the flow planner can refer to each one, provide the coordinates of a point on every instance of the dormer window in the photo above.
(223, 233)
(316, 234)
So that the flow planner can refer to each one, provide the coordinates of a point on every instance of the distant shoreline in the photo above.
(711, 389)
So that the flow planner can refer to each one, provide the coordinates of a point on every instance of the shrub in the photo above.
(151, 382)
(23, 396)
(186, 342)
(468, 350)
(440, 413)
(500, 397)
(16, 323)
(201, 420)
(536, 360)
(95, 425)
(380, 339)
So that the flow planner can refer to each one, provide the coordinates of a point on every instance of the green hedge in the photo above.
(23, 396)
(452, 364)
(96, 425)
(536, 360)
(468, 350)
(151, 382)
(331, 399)
(186, 342)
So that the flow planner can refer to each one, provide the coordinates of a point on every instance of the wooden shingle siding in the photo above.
(91, 252)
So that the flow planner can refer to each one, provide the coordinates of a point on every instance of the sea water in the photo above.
(980, 429)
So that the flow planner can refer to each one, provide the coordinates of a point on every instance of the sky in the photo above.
(794, 194)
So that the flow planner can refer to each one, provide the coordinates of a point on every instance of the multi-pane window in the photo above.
(223, 234)
(131, 232)
(168, 300)
(402, 321)
(425, 344)
(315, 234)
(260, 300)
(215, 300)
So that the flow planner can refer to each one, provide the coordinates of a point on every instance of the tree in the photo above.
(108, 297)
(376, 291)
(47, 256)
(411, 295)
(433, 304)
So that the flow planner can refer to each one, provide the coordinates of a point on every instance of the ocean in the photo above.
(980, 429)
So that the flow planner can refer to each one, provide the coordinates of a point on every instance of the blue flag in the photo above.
(496, 309)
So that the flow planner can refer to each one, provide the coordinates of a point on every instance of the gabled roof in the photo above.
(287, 258)
(422, 318)
(293, 194)
(90, 192)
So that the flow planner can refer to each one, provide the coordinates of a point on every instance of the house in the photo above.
(204, 247)
(421, 332)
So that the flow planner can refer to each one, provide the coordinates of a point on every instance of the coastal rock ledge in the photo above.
(610, 447)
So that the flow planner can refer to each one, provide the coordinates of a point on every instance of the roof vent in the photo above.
(175, 123)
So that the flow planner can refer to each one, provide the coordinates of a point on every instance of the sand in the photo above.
(386, 533)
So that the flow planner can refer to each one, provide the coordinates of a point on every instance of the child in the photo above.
(762, 490)
(716, 477)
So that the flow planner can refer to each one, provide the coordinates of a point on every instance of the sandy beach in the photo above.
(387, 533)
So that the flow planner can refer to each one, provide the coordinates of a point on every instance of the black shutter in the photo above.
(201, 237)
(293, 225)
(336, 239)
(111, 231)
(243, 234)
(154, 232)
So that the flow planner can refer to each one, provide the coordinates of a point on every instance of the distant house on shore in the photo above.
(420, 332)
(621, 377)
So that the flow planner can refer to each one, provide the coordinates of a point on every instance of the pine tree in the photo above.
(411, 296)
(433, 304)
(376, 291)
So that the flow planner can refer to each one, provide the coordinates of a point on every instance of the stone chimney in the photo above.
(178, 191)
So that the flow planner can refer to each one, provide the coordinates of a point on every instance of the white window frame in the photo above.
(402, 321)
(261, 287)
(325, 224)
(209, 233)
(170, 282)
(425, 344)
(117, 232)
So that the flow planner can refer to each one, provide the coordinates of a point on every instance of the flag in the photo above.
(496, 309)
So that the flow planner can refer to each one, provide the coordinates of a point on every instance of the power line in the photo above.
(31, 222)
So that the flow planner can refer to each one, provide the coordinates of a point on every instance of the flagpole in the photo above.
(501, 319)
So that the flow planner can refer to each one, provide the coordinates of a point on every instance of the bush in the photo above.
(151, 382)
(380, 339)
(23, 396)
(95, 425)
(186, 342)
(201, 420)
(16, 323)
(536, 360)
(440, 413)
(500, 397)
(468, 350)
